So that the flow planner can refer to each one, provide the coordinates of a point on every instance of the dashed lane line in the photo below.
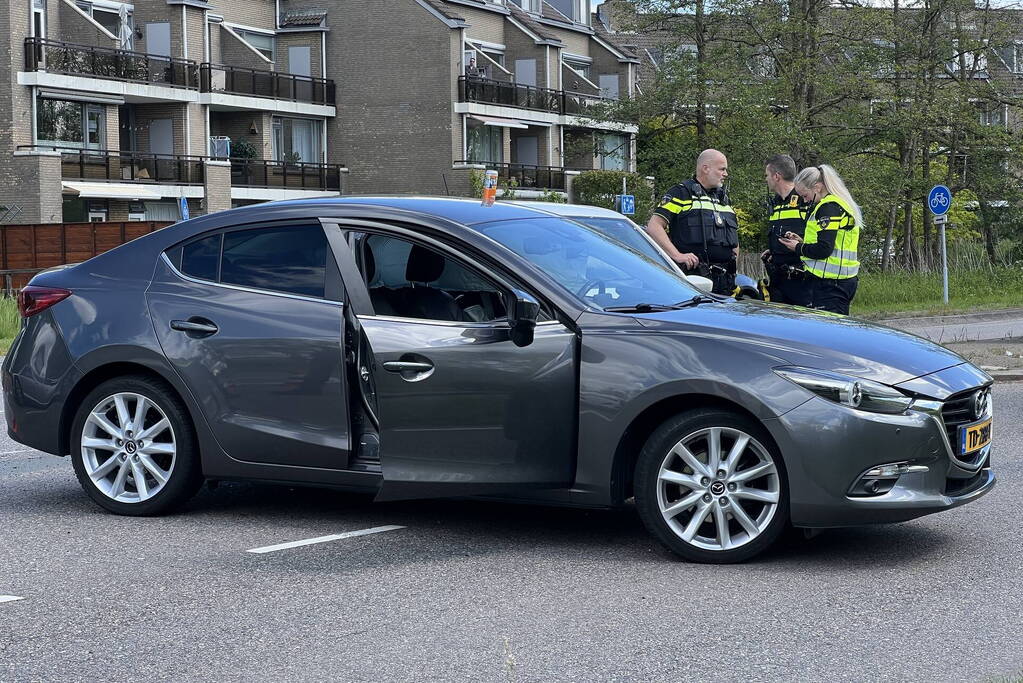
(9, 598)
(324, 539)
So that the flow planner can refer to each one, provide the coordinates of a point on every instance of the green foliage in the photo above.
(10, 322)
(598, 188)
(507, 188)
(552, 196)
(476, 177)
(243, 149)
(902, 290)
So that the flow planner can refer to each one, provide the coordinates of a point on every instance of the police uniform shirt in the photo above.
(788, 214)
(825, 215)
(696, 216)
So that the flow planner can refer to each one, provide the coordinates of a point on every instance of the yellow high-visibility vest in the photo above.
(843, 262)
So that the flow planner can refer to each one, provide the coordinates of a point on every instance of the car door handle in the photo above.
(407, 366)
(194, 327)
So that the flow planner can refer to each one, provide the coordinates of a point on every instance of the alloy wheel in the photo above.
(718, 488)
(129, 448)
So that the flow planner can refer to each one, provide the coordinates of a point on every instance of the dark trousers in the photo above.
(784, 290)
(833, 295)
(723, 276)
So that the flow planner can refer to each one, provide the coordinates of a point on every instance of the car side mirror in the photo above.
(525, 311)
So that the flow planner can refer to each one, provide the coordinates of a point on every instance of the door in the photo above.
(161, 136)
(527, 150)
(462, 410)
(525, 71)
(251, 320)
(158, 40)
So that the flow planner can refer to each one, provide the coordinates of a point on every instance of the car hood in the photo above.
(816, 339)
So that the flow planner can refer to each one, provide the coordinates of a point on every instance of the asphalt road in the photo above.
(491, 592)
(966, 327)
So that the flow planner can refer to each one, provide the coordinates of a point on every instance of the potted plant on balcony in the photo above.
(242, 151)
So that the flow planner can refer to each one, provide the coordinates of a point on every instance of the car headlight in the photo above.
(862, 394)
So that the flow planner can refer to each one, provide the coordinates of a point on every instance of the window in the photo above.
(62, 123)
(110, 19)
(200, 258)
(992, 115)
(609, 86)
(576, 10)
(284, 259)
(975, 61)
(263, 43)
(484, 143)
(529, 5)
(1011, 56)
(579, 66)
(290, 259)
(613, 150)
(297, 140)
(408, 280)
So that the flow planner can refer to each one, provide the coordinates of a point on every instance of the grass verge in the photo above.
(883, 294)
(10, 323)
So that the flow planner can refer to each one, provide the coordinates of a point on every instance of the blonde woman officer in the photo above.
(829, 246)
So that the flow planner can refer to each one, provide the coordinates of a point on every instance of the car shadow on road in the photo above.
(445, 528)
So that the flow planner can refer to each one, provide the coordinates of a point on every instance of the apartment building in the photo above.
(149, 109)
(431, 89)
(152, 109)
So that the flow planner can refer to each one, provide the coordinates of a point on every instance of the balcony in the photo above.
(288, 175)
(269, 84)
(54, 56)
(127, 167)
(507, 94)
(524, 176)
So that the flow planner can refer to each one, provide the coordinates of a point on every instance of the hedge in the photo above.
(598, 188)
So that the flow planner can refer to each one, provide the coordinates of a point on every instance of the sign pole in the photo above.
(939, 202)
(944, 266)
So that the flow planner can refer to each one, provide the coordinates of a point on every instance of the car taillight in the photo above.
(33, 299)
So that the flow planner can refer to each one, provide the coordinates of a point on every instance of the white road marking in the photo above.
(9, 598)
(324, 539)
(25, 450)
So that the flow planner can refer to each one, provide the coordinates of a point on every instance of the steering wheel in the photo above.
(599, 284)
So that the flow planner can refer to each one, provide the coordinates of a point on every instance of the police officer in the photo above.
(831, 240)
(696, 225)
(788, 214)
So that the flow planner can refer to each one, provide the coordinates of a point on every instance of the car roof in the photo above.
(568, 209)
(458, 209)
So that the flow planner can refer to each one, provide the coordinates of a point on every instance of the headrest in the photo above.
(423, 265)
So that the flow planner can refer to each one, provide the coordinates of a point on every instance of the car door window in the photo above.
(409, 280)
(288, 259)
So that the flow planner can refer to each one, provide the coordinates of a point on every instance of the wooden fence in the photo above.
(27, 249)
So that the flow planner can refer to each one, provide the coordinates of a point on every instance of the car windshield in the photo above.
(623, 230)
(591, 265)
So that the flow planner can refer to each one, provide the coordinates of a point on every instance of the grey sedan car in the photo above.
(433, 347)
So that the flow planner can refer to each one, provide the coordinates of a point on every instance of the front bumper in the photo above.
(827, 447)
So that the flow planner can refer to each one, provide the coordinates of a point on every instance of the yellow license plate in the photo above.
(974, 436)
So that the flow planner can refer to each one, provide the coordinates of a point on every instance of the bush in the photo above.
(598, 188)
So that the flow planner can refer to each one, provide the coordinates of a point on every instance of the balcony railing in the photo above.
(269, 84)
(507, 94)
(525, 176)
(294, 175)
(127, 167)
(179, 169)
(102, 62)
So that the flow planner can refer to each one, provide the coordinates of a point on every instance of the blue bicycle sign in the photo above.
(939, 200)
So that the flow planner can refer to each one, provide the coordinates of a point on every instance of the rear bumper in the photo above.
(37, 379)
(827, 447)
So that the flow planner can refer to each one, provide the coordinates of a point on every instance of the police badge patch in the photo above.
(666, 198)
(794, 201)
(822, 223)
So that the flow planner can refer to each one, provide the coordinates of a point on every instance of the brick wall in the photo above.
(144, 113)
(33, 185)
(234, 52)
(394, 125)
(576, 43)
(74, 28)
(310, 40)
(521, 46)
(604, 62)
(154, 12)
(483, 25)
(254, 13)
(236, 125)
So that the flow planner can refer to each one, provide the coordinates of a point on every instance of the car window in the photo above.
(288, 259)
(199, 259)
(409, 280)
(623, 230)
(588, 263)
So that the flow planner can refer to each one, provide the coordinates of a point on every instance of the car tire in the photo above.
(134, 447)
(685, 497)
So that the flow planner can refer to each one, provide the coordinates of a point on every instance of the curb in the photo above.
(1007, 377)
